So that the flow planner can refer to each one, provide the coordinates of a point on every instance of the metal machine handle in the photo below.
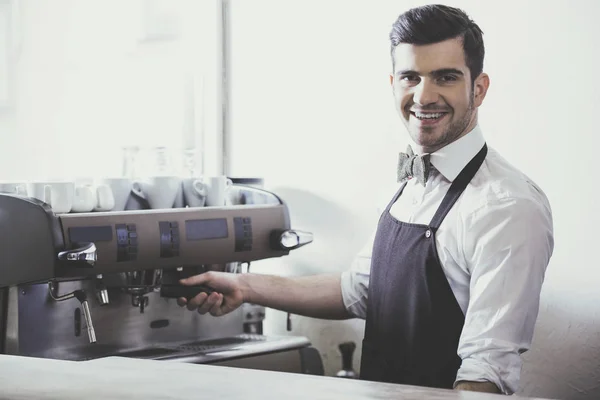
(175, 291)
(87, 254)
(290, 239)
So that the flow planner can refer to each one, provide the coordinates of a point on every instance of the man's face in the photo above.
(433, 92)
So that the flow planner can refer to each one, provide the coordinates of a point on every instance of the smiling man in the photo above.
(450, 283)
(437, 81)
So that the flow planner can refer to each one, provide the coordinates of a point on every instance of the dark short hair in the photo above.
(435, 23)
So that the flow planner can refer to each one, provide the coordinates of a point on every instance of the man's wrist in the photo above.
(487, 387)
(244, 287)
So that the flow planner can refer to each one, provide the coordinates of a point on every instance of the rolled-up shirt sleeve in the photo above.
(507, 246)
(355, 281)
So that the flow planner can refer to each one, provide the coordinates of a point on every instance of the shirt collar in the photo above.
(451, 159)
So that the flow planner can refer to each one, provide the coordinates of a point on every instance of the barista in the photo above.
(450, 282)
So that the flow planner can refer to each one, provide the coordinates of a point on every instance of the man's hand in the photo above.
(227, 295)
(487, 387)
(317, 296)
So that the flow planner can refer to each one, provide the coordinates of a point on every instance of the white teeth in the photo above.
(428, 115)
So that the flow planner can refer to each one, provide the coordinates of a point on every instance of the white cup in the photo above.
(179, 200)
(194, 192)
(105, 200)
(217, 188)
(84, 199)
(58, 195)
(14, 188)
(159, 191)
(121, 190)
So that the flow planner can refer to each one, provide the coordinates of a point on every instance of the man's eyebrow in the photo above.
(434, 73)
(446, 71)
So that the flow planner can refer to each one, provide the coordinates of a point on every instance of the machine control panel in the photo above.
(169, 239)
(243, 233)
(127, 242)
(151, 239)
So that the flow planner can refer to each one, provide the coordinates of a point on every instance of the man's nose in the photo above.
(425, 93)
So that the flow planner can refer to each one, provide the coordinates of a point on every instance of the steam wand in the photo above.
(82, 297)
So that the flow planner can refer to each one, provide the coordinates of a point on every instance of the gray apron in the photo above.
(413, 319)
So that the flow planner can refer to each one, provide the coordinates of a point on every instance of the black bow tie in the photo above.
(411, 165)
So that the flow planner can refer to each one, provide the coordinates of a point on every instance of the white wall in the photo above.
(93, 76)
(312, 113)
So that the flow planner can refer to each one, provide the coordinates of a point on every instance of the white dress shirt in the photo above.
(494, 246)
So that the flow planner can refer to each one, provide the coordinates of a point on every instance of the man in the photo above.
(450, 284)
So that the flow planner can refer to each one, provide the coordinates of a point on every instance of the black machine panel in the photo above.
(169, 239)
(204, 229)
(83, 234)
(127, 242)
(243, 233)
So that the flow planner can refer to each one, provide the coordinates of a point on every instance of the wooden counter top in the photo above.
(127, 378)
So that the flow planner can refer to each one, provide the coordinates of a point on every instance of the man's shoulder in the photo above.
(499, 181)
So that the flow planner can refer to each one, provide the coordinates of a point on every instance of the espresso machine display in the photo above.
(90, 285)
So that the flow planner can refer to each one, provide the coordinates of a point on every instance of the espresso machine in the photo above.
(92, 285)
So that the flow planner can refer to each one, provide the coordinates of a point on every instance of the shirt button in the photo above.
(415, 202)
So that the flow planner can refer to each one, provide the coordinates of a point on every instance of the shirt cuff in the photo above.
(474, 370)
(354, 302)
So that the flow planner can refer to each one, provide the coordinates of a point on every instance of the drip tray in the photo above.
(214, 350)
(153, 353)
(223, 343)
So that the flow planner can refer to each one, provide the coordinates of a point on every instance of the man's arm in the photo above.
(317, 296)
(506, 246)
(486, 387)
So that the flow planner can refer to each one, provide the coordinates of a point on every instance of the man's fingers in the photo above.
(197, 301)
(210, 301)
(215, 310)
(196, 279)
(182, 301)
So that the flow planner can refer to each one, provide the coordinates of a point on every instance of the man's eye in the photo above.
(448, 78)
(409, 78)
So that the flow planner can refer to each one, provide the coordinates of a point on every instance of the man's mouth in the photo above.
(428, 118)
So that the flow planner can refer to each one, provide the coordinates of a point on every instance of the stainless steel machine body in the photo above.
(84, 286)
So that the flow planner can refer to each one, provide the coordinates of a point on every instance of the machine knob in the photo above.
(290, 239)
(87, 254)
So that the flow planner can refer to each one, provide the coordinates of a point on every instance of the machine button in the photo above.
(169, 239)
(131, 227)
(133, 241)
(132, 234)
(122, 255)
(122, 240)
(122, 237)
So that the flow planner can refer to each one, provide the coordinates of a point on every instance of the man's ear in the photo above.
(480, 88)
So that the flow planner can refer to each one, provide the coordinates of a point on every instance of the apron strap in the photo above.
(396, 196)
(457, 187)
